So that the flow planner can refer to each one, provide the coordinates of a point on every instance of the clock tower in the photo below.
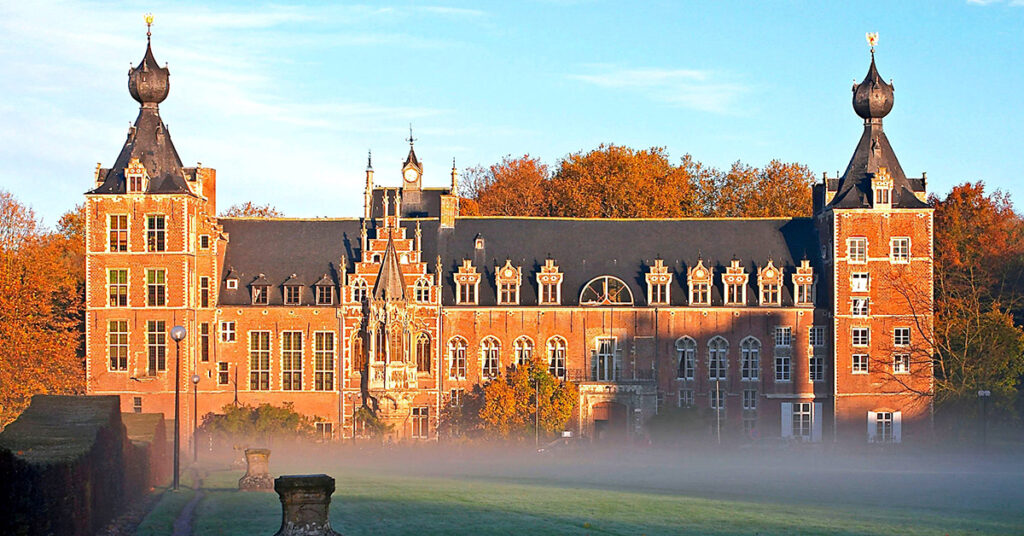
(412, 169)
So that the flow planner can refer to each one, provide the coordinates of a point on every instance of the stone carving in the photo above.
(305, 505)
(257, 473)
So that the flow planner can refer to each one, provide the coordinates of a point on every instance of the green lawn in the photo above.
(413, 494)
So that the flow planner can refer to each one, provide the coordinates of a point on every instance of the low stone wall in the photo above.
(64, 466)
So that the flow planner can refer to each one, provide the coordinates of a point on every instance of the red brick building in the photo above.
(811, 328)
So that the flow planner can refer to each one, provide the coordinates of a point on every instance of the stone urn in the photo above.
(305, 505)
(257, 472)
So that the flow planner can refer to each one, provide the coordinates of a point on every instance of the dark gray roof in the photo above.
(425, 203)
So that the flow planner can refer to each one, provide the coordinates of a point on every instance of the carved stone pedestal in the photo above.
(257, 473)
(305, 504)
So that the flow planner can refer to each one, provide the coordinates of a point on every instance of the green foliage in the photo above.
(373, 425)
(264, 421)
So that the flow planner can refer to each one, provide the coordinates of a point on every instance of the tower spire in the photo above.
(149, 25)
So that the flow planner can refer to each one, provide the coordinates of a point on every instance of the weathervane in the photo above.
(411, 139)
(872, 38)
(149, 24)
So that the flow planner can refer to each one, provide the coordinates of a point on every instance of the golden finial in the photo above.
(872, 38)
(149, 24)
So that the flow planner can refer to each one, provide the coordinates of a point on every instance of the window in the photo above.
(860, 363)
(686, 355)
(750, 360)
(291, 360)
(859, 307)
(816, 368)
(232, 284)
(467, 293)
(117, 287)
(156, 346)
(606, 290)
(325, 431)
(204, 241)
(750, 399)
(881, 196)
(457, 359)
(324, 294)
(117, 344)
(523, 348)
(734, 293)
(686, 398)
(420, 422)
(549, 294)
(222, 373)
(802, 420)
(260, 294)
(804, 294)
(860, 282)
(883, 427)
(901, 364)
(782, 368)
(118, 240)
(783, 336)
(659, 294)
(899, 249)
(259, 360)
(817, 336)
(204, 291)
(227, 331)
(700, 294)
(717, 360)
(156, 287)
(323, 361)
(770, 294)
(137, 404)
(456, 397)
(604, 360)
(857, 250)
(359, 290)
(556, 357)
(508, 293)
(861, 336)
(490, 348)
(421, 291)
(423, 352)
(716, 398)
(901, 336)
(156, 233)
(291, 294)
(358, 354)
(204, 342)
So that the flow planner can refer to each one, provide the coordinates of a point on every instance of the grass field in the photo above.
(436, 492)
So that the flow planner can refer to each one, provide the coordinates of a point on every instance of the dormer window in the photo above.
(769, 279)
(881, 184)
(699, 280)
(324, 294)
(803, 284)
(549, 281)
(507, 279)
(467, 281)
(735, 282)
(260, 294)
(292, 294)
(606, 290)
(658, 283)
(136, 177)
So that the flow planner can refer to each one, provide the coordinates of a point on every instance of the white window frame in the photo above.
(522, 349)
(783, 336)
(783, 369)
(156, 232)
(605, 349)
(490, 357)
(457, 366)
(899, 249)
(860, 282)
(118, 343)
(259, 376)
(901, 336)
(750, 399)
(860, 336)
(323, 360)
(700, 289)
(227, 331)
(816, 336)
(686, 358)
(750, 359)
(816, 368)
(421, 290)
(857, 250)
(125, 232)
(232, 284)
(125, 286)
(685, 398)
(319, 297)
(901, 364)
(718, 358)
(294, 355)
(860, 307)
(860, 363)
(162, 284)
(286, 294)
(557, 350)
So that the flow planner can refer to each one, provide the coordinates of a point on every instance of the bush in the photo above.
(264, 422)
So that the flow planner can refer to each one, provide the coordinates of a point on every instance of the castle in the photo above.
(815, 329)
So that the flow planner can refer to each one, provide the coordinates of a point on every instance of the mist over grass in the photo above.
(446, 489)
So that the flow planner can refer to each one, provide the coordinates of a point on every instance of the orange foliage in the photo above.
(512, 187)
(251, 210)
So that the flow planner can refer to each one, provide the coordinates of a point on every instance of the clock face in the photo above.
(411, 175)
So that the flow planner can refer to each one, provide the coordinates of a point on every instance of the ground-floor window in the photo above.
(259, 360)
(456, 397)
(750, 399)
(137, 404)
(716, 398)
(686, 398)
(884, 426)
(222, 373)
(325, 431)
(802, 420)
(420, 422)
(323, 361)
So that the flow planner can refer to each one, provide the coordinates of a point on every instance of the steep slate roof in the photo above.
(390, 285)
(582, 249)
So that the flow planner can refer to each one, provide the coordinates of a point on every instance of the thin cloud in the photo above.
(687, 88)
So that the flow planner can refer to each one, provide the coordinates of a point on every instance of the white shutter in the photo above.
(871, 427)
(897, 426)
(816, 417)
(787, 419)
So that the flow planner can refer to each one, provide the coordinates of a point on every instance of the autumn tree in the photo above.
(251, 210)
(512, 187)
(778, 190)
(523, 396)
(41, 307)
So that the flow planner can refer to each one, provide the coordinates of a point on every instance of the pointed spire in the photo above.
(369, 160)
(390, 285)
(411, 157)
(455, 178)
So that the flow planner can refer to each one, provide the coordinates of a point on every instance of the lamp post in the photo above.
(718, 413)
(195, 418)
(536, 412)
(178, 334)
(983, 396)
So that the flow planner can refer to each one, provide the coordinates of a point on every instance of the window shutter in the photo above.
(616, 372)
(897, 426)
(871, 427)
(593, 364)
(816, 422)
(787, 419)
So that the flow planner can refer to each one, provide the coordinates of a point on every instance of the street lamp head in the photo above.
(984, 393)
(195, 378)
(178, 333)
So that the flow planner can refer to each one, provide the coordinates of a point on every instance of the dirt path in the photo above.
(183, 525)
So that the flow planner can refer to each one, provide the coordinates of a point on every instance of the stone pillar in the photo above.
(305, 504)
(257, 473)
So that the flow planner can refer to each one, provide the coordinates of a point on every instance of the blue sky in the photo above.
(285, 99)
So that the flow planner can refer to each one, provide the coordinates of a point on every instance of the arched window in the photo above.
(457, 358)
(718, 348)
(358, 353)
(606, 290)
(421, 291)
(523, 348)
(686, 355)
(556, 357)
(490, 349)
(423, 352)
(380, 344)
(750, 359)
(359, 290)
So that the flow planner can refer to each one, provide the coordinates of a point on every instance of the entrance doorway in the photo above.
(609, 421)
